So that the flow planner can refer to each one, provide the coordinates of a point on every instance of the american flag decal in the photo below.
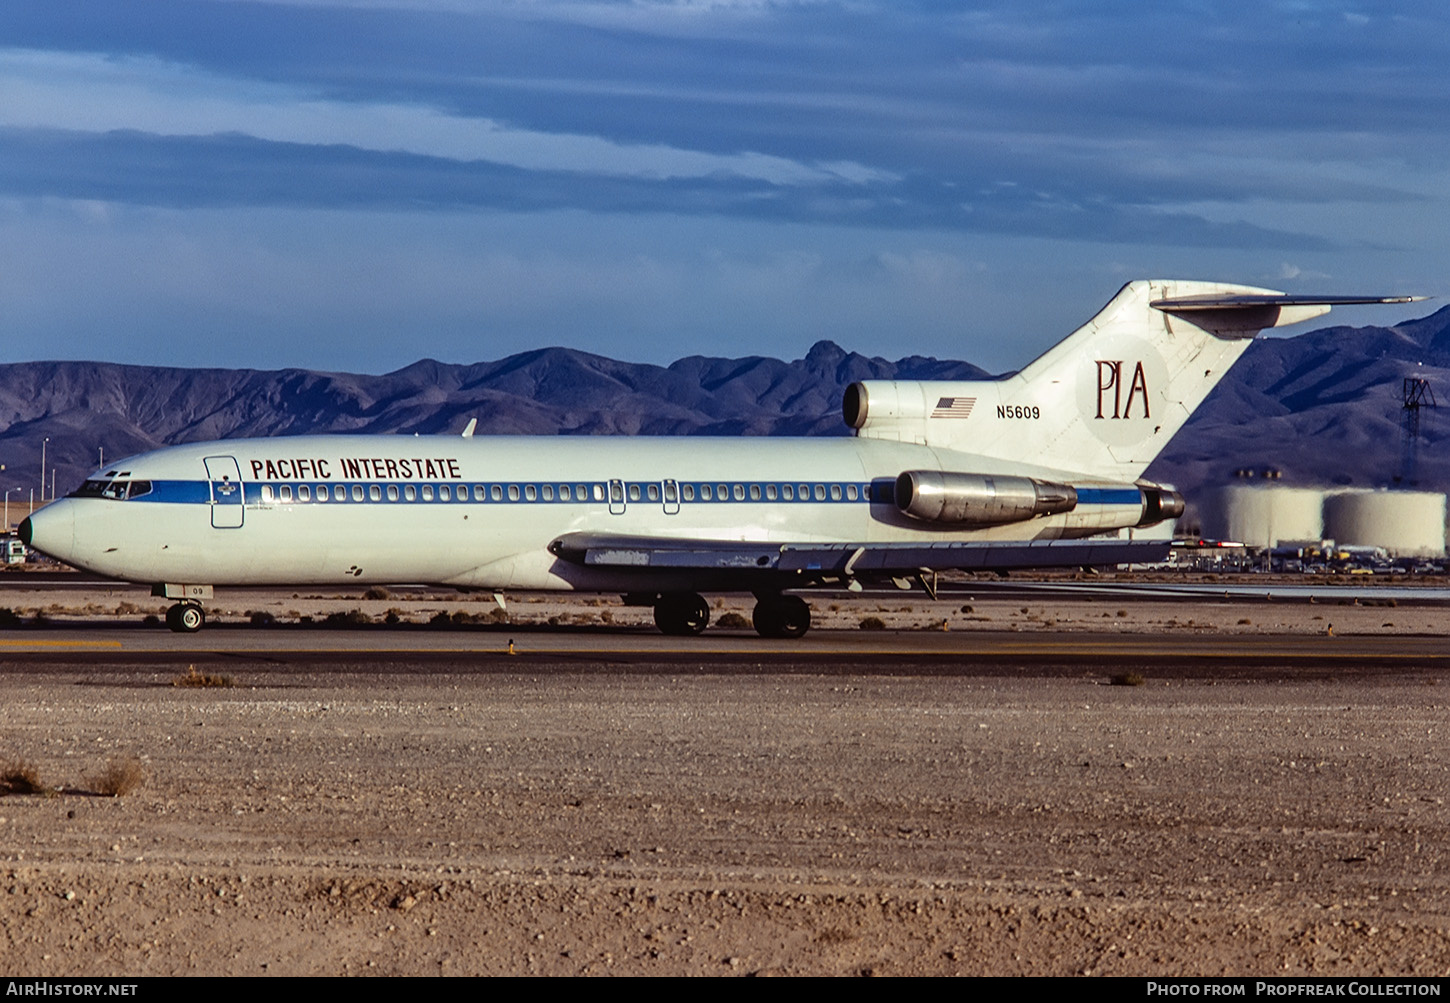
(953, 407)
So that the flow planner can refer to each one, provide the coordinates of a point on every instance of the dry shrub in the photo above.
(1127, 679)
(192, 679)
(872, 623)
(20, 777)
(122, 775)
(377, 592)
(732, 621)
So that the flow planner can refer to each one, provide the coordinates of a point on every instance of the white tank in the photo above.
(1406, 523)
(1264, 516)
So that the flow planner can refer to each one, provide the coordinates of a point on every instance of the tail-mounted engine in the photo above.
(958, 499)
(979, 499)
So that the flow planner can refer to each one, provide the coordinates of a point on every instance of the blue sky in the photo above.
(353, 186)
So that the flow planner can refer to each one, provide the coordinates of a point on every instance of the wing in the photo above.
(811, 562)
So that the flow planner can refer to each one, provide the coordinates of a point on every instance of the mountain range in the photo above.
(1322, 408)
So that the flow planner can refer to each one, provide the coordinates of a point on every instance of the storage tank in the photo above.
(1406, 523)
(1264, 516)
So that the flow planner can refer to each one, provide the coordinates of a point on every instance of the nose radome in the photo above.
(51, 530)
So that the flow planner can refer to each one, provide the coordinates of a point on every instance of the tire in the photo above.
(781, 616)
(682, 615)
(186, 618)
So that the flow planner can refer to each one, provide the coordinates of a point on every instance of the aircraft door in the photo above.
(616, 496)
(671, 497)
(227, 497)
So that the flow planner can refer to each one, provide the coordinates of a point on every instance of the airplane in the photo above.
(1028, 470)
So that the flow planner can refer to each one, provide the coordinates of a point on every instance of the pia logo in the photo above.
(1120, 390)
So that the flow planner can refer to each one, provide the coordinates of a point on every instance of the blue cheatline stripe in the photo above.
(879, 492)
(543, 493)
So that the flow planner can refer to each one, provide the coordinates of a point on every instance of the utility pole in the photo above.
(42, 469)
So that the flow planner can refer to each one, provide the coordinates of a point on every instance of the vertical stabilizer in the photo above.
(1109, 397)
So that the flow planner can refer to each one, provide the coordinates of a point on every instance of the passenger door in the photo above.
(228, 501)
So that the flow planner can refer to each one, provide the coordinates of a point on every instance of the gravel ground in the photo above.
(554, 823)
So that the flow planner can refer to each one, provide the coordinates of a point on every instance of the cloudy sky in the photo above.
(356, 185)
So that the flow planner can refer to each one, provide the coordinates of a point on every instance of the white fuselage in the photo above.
(481, 511)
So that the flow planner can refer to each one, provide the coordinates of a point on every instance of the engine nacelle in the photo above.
(979, 499)
(1159, 504)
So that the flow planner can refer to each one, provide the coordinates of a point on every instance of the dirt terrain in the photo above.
(339, 821)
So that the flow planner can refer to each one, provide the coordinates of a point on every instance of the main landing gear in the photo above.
(186, 617)
(682, 614)
(781, 616)
(686, 614)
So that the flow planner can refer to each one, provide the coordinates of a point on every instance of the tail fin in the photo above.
(1109, 397)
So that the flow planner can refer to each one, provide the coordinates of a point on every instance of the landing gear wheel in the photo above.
(185, 618)
(781, 616)
(682, 615)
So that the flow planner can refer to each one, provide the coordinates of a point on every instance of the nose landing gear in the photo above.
(186, 617)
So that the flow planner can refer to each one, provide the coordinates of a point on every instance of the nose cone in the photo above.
(51, 530)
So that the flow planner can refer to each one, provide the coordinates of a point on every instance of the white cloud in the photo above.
(98, 94)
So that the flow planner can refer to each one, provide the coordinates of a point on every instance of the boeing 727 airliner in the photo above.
(1016, 472)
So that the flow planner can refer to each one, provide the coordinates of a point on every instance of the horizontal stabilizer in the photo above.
(1183, 304)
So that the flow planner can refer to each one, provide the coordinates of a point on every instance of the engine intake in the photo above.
(979, 499)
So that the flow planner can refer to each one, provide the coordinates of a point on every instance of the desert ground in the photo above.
(338, 819)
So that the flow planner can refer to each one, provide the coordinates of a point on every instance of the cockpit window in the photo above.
(119, 490)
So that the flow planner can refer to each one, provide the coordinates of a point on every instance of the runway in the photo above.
(102, 647)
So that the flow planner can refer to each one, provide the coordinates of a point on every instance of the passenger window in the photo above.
(410, 493)
(740, 492)
(851, 494)
(599, 492)
(392, 492)
(496, 492)
(427, 492)
(689, 492)
(805, 492)
(634, 492)
(266, 493)
(770, 492)
(304, 493)
(357, 492)
(548, 492)
(444, 494)
(616, 493)
(706, 492)
(722, 491)
(581, 492)
(285, 490)
(513, 492)
(563, 492)
(672, 493)
(531, 493)
(755, 492)
(478, 493)
(322, 492)
(820, 492)
(787, 492)
(835, 492)
(375, 493)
